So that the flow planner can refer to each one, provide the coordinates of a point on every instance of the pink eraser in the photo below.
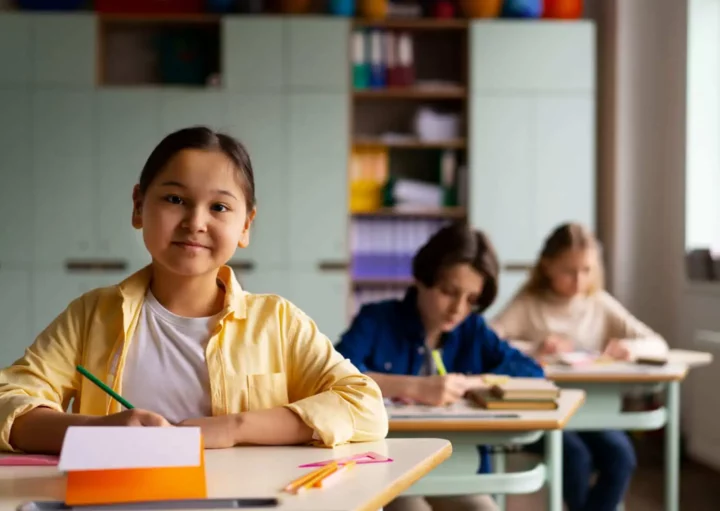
(28, 460)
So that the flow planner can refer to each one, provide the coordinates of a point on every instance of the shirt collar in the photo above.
(133, 290)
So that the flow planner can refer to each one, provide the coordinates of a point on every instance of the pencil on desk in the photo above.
(439, 363)
(117, 397)
(310, 478)
(334, 476)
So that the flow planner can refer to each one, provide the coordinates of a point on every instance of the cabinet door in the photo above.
(509, 283)
(253, 59)
(520, 56)
(63, 176)
(128, 129)
(15, 49)
(318, 54)
(274, 282)
(324, 297)
(183, 109)
(53, 290)
(565, 160)
(259, 121)
(318, 161)
(15, 309)
(16, 192)
(64, 47)
(502, 174)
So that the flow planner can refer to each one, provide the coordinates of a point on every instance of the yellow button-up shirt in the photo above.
(263, 353)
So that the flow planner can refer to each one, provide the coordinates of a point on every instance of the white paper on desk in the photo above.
(624, 368)
(104, 448)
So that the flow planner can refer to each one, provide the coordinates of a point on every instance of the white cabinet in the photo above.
(184, 109)
(15, 49)
(259, 121)
(253, 54)
(15, 314)
(53, 290)
(17, 192)
(318, 159)
(64, 49)
(128, 128)
(532, 115)
(64, 176)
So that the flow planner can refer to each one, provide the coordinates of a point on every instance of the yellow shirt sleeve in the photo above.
(327, 391)
(45, 375)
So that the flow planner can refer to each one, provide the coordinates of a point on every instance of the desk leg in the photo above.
(499, 467)
(553, 461)
(672, 447)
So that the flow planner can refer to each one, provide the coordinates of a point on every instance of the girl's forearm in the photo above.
(42, 430)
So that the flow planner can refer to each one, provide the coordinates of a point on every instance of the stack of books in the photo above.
(517, 394)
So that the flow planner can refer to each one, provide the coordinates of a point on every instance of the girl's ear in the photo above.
(245, 234)
(137, 208)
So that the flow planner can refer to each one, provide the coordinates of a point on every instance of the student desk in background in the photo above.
(264, 471)
(467, 427)
(606, 385)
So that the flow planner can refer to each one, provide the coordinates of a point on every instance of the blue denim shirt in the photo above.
(388, 337)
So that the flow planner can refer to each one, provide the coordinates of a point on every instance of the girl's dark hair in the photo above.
(459, 244)
(200, 137)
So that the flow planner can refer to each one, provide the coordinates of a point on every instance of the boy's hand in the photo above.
(554, 344)
(218, 432)
(441, 390)
(133, 417)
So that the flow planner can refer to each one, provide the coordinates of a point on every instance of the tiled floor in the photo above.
(699, 487)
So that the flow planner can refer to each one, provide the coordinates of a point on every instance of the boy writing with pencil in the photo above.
(433, 346)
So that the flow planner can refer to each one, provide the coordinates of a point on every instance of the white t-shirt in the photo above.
(165, 369)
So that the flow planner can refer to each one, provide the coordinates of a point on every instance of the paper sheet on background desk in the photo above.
(420, 411)
(616, 368)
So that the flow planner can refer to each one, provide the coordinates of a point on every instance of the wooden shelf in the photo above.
(451, 212)
(413, 24)
(412, 93)
(408, 144)
(383, 282)
(200, 18)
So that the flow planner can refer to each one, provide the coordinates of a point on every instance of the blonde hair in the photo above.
(570, 236)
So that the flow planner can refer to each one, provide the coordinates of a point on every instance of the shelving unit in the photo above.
(384, 238)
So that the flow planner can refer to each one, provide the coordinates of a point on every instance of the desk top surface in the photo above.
(463, 417)
(264, 471)
(616, 372)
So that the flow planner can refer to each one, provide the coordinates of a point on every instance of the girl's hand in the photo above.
(554, 344)
(218, 432)
(133, 417)
(617, 349)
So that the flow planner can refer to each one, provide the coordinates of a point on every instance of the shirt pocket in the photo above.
(267, 391)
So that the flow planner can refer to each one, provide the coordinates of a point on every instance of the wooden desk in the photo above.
(468, 427)
(607, 384)
(264, 471)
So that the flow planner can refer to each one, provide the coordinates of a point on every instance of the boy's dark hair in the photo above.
(459, 244)
(203, 138)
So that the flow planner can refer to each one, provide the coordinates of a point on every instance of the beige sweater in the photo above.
(589, 321)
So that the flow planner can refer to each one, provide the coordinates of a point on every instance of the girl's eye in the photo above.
(221, 208)
(173, 199)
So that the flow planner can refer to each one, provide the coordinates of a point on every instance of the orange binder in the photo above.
(138, 465)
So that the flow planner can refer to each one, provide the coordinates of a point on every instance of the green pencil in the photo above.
(117, 397)
(439, 363)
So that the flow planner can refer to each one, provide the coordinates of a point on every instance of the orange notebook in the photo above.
(109, 465)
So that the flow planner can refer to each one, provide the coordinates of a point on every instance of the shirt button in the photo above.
(421, 350)
(388, 366)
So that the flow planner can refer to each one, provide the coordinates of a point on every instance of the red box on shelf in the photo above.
(150, 6)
